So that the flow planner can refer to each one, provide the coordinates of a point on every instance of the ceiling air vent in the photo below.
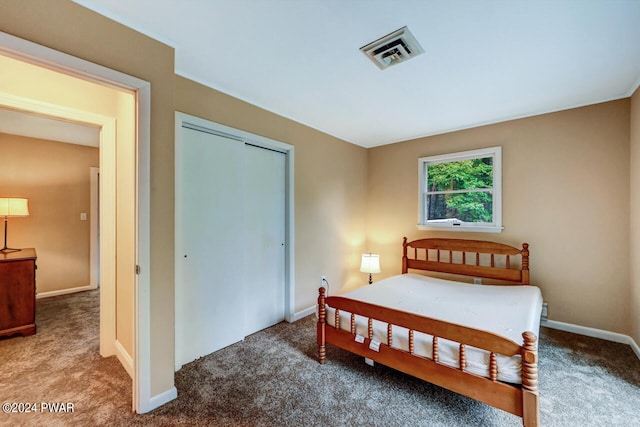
(393, 48)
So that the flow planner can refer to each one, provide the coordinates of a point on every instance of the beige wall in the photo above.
(55, 178)
(330, 188)
(70, 28)
(635, 217)
(565, 191)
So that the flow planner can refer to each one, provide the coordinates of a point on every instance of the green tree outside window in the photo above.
(461, 190)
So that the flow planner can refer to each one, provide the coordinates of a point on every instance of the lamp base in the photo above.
(5, 249)
(370, 279)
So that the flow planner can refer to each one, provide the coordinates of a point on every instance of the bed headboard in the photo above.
(477, 258)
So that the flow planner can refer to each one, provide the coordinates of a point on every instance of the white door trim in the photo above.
(49, 58)
(260, 141)
(94, 235)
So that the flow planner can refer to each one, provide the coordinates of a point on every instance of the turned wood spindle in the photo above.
(322, 315)
(435, 355)
(438, 255)
(493, 262)
(389, 335)
(464, 257)
(411, 346)
(508, 262)
(477, 258)
(525, 256)
(370, 329)
(525, 263)
(493, 367)
(353, 324)
(530, 362)
(463, 357)
(337, 319)
(450, 257)
(404, 255)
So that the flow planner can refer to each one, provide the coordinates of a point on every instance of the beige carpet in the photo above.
(61, 364)
(272, 379)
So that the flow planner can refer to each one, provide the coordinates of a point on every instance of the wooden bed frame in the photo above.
(446, 256)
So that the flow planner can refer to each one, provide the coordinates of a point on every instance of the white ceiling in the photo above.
(485, 61)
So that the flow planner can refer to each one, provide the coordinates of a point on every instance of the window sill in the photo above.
(463, 228)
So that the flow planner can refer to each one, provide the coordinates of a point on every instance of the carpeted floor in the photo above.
(272, 378)
(61, 363)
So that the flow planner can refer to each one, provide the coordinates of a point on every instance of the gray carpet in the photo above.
(61, 363)
(273, 379)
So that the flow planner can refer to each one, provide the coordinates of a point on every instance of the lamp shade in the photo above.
(10, 206)
(370, 263)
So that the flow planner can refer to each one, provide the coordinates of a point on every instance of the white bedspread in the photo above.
(505, 310)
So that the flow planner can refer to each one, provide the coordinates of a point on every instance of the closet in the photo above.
(231, 239)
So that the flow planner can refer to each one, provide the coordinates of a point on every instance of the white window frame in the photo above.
(493, 227)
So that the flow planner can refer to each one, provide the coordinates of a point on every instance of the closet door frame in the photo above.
(186, 120)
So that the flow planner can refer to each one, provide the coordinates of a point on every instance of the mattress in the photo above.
(504, 310)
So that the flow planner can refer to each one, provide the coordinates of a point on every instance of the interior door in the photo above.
(209, 294)
(264, 251)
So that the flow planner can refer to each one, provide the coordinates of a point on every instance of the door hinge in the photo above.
(137, 269)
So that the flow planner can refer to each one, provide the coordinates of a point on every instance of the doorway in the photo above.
(137, 356)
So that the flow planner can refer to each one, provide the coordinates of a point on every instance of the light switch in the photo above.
(83, 216)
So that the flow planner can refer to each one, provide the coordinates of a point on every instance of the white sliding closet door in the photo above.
(209, 293)
(265, 238)
(231, 222)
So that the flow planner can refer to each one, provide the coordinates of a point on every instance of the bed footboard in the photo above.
(521, 400)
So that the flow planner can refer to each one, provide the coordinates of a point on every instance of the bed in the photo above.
(476, 340)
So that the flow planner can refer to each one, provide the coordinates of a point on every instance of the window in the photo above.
(462, 191)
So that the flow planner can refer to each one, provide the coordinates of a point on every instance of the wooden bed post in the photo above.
(525, 263)
(530, 406)
(322, 318)
(404, 255)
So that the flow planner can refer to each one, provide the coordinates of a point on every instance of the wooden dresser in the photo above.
(18, 293)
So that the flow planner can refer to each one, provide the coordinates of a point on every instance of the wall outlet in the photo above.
(477, 280)
(545, 311)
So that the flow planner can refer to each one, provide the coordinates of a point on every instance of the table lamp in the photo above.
(370, 264)
(12, 207)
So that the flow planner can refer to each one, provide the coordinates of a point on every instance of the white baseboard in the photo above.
(160, 399)
(302, 314)
(64, 291)
(125, 359)
(635, 347)
(593, 332)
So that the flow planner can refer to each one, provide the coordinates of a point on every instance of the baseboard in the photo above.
(635, 347)
(593, 332)
(302, 314)
(160, 399)
(59, 292)
(125, 359)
